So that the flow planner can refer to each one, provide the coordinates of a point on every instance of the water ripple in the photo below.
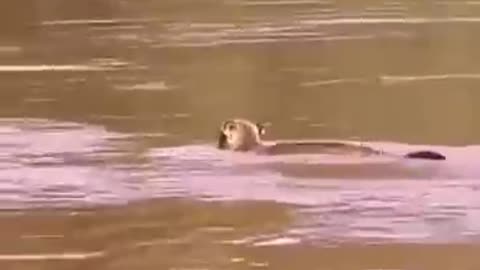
(52, 256)
(391, 79)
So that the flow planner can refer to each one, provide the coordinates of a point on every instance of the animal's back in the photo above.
(316, 147)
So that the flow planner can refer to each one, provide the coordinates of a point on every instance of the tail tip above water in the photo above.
(426, 155)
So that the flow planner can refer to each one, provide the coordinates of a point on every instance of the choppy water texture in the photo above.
(109, 112)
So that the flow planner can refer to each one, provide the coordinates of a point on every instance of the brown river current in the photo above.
(109, 112)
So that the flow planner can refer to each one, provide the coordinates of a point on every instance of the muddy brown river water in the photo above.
(109, 112)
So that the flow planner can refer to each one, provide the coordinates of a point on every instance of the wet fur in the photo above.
(244, 135)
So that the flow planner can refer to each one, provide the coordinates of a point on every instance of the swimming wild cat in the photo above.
(244, 135)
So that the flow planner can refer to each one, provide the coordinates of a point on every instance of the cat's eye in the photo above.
(231, 127)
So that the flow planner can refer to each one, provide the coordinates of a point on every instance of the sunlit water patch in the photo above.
(340, 198)
(60, 164)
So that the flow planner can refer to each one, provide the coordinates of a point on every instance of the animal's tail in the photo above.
(425, 155)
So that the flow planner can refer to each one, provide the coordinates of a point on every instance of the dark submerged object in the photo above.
(426, 155)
